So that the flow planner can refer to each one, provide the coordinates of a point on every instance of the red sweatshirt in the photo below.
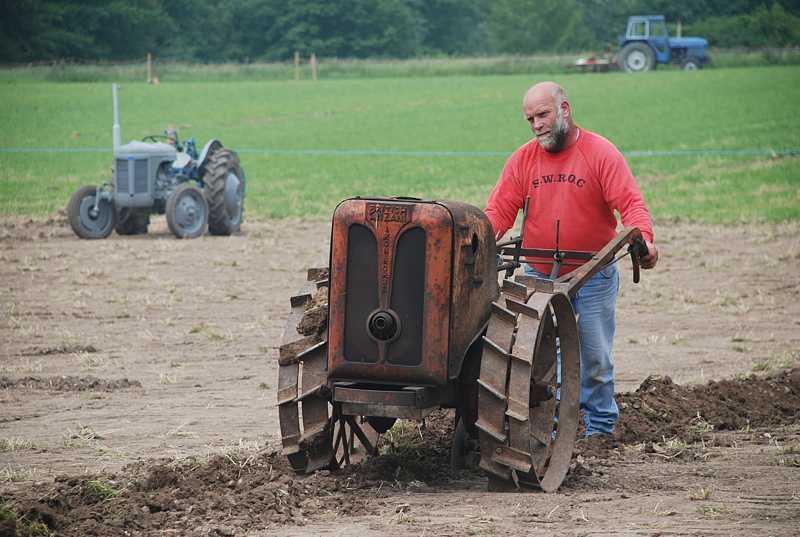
(581, 186)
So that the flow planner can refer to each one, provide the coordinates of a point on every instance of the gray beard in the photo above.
(553, 141)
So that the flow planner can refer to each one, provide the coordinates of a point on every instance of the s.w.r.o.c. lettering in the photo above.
(558, 178)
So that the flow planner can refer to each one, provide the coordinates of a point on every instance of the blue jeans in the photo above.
(595, 305)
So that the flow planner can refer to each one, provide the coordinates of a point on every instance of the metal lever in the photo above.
(638, 250)
(558, 255)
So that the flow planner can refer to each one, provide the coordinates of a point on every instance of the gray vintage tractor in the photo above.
(159, 175)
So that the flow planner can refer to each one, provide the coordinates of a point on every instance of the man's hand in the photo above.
(651, 259)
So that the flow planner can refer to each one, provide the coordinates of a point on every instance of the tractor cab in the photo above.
(652, 29)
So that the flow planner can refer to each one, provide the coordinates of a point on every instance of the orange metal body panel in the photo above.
(388, 219)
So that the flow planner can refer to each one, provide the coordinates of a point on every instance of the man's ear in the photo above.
(565, 108)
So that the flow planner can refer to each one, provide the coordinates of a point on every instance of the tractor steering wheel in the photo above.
(154, 138)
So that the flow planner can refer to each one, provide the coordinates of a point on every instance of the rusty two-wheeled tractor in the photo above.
(411, 317)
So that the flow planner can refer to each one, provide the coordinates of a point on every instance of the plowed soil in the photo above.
(138, 378)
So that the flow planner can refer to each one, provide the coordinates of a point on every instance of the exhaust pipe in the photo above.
(115, 129)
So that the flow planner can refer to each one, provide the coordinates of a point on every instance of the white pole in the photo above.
(115, 129)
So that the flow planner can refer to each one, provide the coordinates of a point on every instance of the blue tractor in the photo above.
(647, 44)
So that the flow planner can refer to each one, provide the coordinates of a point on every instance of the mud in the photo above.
(662, 409)
(260, 490)
(69, 384)
(706, 354)
(216, 495)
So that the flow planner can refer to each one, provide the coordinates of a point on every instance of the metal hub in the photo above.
(636, 60)
(95, 220)
(383, 325)
(189, 212)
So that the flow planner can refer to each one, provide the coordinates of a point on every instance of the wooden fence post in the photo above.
(313, 66)
(149, 68)
(296, 65)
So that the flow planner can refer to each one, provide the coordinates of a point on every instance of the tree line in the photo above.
(272, 30)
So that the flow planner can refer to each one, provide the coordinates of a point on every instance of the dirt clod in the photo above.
(660, 408)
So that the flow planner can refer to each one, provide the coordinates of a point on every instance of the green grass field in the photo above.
(719, 109)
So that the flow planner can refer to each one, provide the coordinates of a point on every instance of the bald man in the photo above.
(579, 179)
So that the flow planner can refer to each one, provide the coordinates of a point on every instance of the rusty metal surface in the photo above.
(382, 410)
(552, 473)
(588, 263)
(421, 397)
(474, 284)
(527, 435)
(387, 219)
(578, 277)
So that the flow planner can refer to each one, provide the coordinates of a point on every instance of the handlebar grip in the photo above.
(639, 248)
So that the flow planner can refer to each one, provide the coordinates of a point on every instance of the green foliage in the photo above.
(259, 30)
(455, 27)
(531, 25)
(48, 29)
(437, 137)
(764, 27)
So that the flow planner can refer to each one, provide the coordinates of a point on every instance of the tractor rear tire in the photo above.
(83, 221)
(187, 212)
(224, 189)
(132, 222)
(637, 58)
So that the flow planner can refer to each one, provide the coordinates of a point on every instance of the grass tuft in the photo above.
(211, 332)
(8, 445)
(97, 490)
(713, 511)
(701, 494)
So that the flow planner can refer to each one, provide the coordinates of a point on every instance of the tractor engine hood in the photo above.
(687, 42)
(135, 148)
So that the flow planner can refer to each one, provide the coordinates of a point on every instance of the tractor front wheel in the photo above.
(224, 190)
(87, 221)
(690, 64)
(187, 212)
(637, 58)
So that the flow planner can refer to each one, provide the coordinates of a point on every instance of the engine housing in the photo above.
(411, 286)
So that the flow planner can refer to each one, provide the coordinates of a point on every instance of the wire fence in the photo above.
(635, 153)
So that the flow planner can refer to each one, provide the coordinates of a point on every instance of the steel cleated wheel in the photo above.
(87, 221)
(224, 189)
(637, 58)
(529, 389)
(132, 222)
(187, 212)
(314, 432)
